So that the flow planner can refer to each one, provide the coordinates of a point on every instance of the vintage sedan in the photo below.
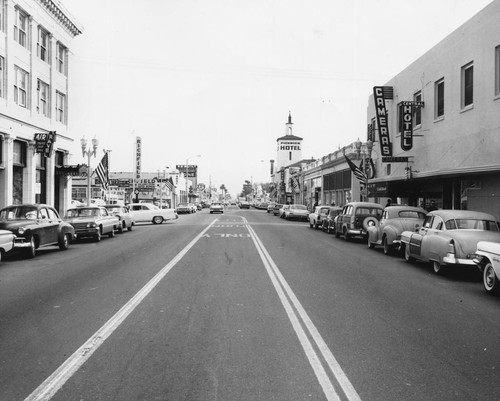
(149, 213)
(7, 239)
(296, 212)
(450, 237)
(124, 216)
(276, 209)
(328, 223)
(282, 211)
(183, 208)
(35, 226)
(216, 208)
(394, 221)
(488, 260)
(92, 221)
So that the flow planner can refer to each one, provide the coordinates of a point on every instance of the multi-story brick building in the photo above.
(35, 38)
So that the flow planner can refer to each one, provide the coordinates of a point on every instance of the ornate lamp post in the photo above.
(89, 152)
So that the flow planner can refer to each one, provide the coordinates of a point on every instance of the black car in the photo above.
(35, 226)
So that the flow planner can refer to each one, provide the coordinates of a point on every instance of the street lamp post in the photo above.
(187, 175)
(89, 152)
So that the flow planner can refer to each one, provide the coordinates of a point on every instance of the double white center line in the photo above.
(318, 355)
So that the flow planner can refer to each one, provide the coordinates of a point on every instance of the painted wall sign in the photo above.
(395, 159)
(379, 97)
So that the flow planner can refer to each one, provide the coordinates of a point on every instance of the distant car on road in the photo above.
(147, 212)
(35, 226)
(320, 214)
(450, 237)
(184, 208)
(92, 221)
(270, 207)
(394, 221)
(328, 223)
(244, 205)
(125, 218)
(296, 212)
(216, 208)
(276, 209)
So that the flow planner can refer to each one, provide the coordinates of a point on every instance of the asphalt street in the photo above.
(241, 306)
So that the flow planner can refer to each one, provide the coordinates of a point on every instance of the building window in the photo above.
(467, 85)
(417, 97)
(42, 106)
(21, 27)
(2, 15)
(439, 98)
(42, 47)
(61, 57)
(60, 107)
(21, 87)
(19, 153)
(497, 71)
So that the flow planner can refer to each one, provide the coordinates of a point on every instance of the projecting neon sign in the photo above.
(380, 94)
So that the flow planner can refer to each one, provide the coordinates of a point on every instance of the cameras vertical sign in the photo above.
(138, 157)
(380, 95)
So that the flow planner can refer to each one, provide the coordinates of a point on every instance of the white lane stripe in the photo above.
(348, 389)
(54, 382)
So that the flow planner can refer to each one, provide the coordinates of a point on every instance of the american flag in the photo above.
(170, 184)
(358, 173)
(296, 185)
(102, 171)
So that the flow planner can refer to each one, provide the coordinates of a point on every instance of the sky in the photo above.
(217, 78)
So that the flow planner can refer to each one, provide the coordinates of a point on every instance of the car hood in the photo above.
(81, 219)
(14, 225)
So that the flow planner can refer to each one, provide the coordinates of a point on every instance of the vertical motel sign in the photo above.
(138, 157)
(380, 95)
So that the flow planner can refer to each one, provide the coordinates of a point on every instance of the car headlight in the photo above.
(21, 230)
(92, 225)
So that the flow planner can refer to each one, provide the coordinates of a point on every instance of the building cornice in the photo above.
(57, 10)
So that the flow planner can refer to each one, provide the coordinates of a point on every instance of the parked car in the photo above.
(183, 208)
(36, 226)
(282, 211)
(328, 223)
(270, 207)
(450, 237)
(147, 212)
(7, 239)
(355, 219)
(193, 207)
(277, 208)
(394, 221)
(216, 208)
(320, 214)
(296, 212)
(487, 259)
(92, 221)
(76, 203)
(244, 205)
(126, 221)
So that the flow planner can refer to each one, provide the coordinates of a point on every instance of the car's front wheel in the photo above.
(386, 246)
(97, 237)
(490, 280)
(111, 234)
(408, 257)
(64, 242)
(30, 251)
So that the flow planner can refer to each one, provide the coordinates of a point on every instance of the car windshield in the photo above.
(182, 205)
(19, 212)
(298, 207)
(82, 212)
(114, 209)
(472, 224)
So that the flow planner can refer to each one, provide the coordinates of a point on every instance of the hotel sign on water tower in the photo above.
(290, 145)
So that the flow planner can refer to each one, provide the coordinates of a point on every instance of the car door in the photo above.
(47, 229)
(432, 241)
(416, 239)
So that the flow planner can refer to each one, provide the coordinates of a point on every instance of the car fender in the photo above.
(391, 234)
(372, 233)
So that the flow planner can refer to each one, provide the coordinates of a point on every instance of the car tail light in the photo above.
(451, 248)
